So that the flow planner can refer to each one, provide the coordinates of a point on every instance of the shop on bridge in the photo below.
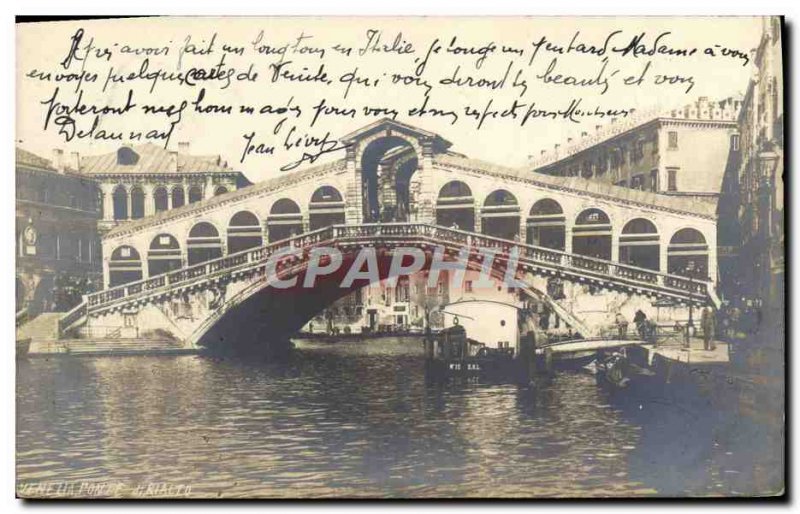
(638, 244)
(455, 206)
(244, 232)
(546, 225)
(500, 215)
(164, 255)
(285, 220)
(203, 244)
(687, 254)
(591, 235)
(124, 266)
(326, 208)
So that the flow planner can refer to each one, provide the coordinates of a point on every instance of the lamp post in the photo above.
(689, 271)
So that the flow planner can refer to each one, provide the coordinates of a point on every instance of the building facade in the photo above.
(683, 152)
(754, 199)
(386, 307)
(57, 244)
(143, 180)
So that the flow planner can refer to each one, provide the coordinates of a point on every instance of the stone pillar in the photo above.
(478, 221)
(614, 247)
(662, 255)
(567, 239)
(108, 202)
(208, 191)
(353, 195)
(426, 200)
(149, 200)
(169, 197)
(129, 203)
(523, 227)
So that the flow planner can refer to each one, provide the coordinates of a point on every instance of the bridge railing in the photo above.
(79, 311)
(527, 252)
(434, 233)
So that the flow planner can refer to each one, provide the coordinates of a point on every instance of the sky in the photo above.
(43, 46)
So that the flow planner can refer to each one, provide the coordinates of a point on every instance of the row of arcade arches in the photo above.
(130, 203)
(592, 235)
(205, 242)
(639, 240)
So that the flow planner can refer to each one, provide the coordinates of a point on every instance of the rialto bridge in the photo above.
(199, 271)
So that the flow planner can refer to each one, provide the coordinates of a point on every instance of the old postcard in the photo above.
(353, 257)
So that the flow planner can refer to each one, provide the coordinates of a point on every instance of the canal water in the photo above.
(357, 419)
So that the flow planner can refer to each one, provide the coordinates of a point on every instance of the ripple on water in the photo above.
(350, 420)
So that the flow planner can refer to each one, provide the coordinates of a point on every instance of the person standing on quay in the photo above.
(622, 325)
(708, 323)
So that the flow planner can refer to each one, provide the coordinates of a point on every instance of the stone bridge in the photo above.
(188, 270)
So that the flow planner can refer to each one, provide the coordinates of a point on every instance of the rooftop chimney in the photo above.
(75, 161)
(183, 147)
(569, 140)
(584, 134)
(173, 160)
(58, 159)
(597, 128)
(542, 152)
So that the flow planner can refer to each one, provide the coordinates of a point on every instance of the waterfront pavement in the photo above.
(695, 354)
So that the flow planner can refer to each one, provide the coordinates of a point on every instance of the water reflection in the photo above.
(351, 419)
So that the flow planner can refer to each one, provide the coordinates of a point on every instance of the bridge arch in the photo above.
(455, 206)
(120, 201)
(500, 215)
(161, 199)
(178, 197)
(278, 309)
(203, 243)
(164, 255)
(244, 231)
(325, 208)
(546, 225)
(125, 265)
(591, 234)
(687, 254)
(639, 244)
(285, 220)
(379, 158)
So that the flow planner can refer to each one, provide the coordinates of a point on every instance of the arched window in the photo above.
(244, 231)
(164, 255)
(195, 194)
(178, 198)
(125, 266)
(687, 254)
(591, 235)
(326, 208)
(500, 215)
(137, 203)
(638, 244)
(120, 203)
(161, 199)
(285, 220)
(220, 190)
(204, 243)
(455, 207)
(546, 225)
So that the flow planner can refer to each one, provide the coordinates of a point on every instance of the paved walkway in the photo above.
(693, 355)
